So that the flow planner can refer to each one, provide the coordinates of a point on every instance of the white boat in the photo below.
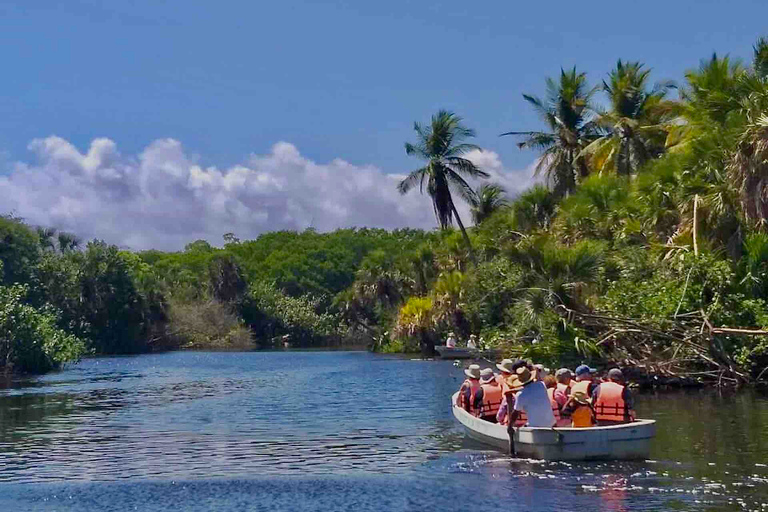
(466, 353)
(628, 441)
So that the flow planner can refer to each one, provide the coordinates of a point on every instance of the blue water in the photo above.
(355, 431)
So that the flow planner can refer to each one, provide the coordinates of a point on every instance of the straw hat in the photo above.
(473, 372)
(506, 366)
(487, 375)
(521, 377)
(580, 397)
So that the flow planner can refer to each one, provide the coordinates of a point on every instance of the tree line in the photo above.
(643, 244)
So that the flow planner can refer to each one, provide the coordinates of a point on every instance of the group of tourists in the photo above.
(523, 394)
(472, 343)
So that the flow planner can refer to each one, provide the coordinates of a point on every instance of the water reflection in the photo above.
(196, 416)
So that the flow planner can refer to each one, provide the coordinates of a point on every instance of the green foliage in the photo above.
(30, 342)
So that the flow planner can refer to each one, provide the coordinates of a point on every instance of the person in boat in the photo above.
(579, 409)
(472, 342)
(612, 400)
(557, 406)
(492, 395)
(531, 399)
(451, 341)
(584, 380)
(471, 392)
(561, 393)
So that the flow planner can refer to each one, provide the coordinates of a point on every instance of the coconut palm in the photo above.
(67, 242)
(486, 200)
(636, 122)
(442, 146)
(567, 111)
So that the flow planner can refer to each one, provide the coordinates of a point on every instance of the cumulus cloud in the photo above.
(163, 199)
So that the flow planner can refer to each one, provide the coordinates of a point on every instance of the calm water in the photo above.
(336, 431)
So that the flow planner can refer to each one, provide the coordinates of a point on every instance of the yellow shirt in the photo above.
(582, 417)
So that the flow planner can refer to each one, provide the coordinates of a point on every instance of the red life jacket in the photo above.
(474, 387)
(492, 396)
(555, 405)
(610, 405)
(522, 418)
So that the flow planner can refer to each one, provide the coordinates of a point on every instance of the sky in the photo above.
(152, 123)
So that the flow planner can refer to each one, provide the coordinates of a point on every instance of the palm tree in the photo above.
(487, 199)
(442, 146)
(46, 237)
(567, 112)
(67, 242)
(534, 209)
(635, 124)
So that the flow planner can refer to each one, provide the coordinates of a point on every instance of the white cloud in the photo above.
(163, 199)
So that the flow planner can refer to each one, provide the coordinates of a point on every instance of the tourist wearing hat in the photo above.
(580, 410)
(531, 399)
(472, 342)
(612, 401)
(584, 380)
(492, 395)
(450, 342)
(471, 392)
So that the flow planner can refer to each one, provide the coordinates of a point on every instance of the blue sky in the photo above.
(342, 79)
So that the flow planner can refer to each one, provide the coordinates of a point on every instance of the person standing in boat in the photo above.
(612, 400)
(531, 399)
(451, 341)
(471, 392)
(492, 395)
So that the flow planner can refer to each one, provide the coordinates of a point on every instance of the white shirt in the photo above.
(450, 342)
(471, 344)
(534, 401)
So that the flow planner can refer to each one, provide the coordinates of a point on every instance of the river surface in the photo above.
(306, 431)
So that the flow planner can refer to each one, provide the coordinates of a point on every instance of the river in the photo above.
(306, 431)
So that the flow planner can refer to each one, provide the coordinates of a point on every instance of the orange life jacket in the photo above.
(502, 380)
(492, 396)
(474, 387)
(581, 417)
(610, 405)
(522, 418)
(555, 405)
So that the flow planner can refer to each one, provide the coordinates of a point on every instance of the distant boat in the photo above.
(466, 353)
(628, 441)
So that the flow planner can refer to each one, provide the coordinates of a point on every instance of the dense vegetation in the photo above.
(645, 244)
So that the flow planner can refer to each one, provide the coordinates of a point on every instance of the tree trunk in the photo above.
(464, 233)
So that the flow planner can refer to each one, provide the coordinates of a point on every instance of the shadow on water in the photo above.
(315, 431)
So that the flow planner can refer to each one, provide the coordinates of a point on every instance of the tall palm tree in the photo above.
(567, 111)
(442, 146)
(487, 199)
(67, 242)
(636, 122)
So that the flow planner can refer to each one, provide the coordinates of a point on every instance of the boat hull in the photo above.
(465, 353)
(617, 442)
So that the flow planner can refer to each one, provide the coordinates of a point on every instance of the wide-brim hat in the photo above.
(521, 377)
(473, 372)
(487, 375)
(506, 366)
(580, 397)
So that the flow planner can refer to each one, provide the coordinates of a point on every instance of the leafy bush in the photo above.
(30, 342)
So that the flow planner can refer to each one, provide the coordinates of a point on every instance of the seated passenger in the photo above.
(492, 395)
(561, 393)
(472, 342)
(471, 392)
(584, 380)
(612, 400)
(580, 410)
(451, 341)
(551, 384)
